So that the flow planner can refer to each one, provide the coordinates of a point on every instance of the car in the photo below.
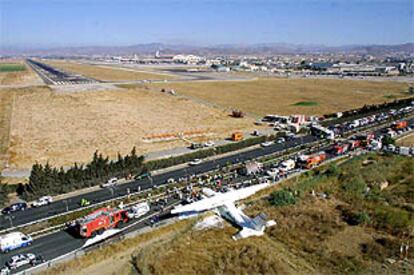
(4, 270)
(143, 176)
(20, 260)
(195, 162)
(110, 183)
(266, 144)
(256, 133)
(20, 206)
(281, 140)
(209, 144)
(45, 200)
(195, 146)
(39, 259)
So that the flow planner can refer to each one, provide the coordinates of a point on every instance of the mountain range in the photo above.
(224, 49)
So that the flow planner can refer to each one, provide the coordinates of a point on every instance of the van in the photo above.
(138, 210)
(14, 241)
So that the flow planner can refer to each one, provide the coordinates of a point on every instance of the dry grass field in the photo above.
(279, 96)
(62, 128)
(107, 73)
(406, 141)
(25, 77)
(6, 102)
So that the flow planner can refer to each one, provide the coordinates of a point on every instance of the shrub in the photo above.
(393, 219)
(281, 198)
(333, 170)
(362, 218)
(354, 186)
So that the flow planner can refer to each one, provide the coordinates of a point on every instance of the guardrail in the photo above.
(82, 251)
(120, 197)
(289, 150)
(120, 236)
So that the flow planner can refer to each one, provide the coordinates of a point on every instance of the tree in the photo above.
(387, 140)
(3, 194)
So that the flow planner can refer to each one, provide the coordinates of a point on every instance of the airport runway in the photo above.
(54, 76)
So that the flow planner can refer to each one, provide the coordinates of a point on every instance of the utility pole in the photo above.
(66, 204)
(10, 218)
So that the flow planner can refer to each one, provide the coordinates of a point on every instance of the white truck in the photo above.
(14, 240)
(138, 210)
(287, 165)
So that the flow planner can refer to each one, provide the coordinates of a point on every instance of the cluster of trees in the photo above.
(47, 180)
(3, 194)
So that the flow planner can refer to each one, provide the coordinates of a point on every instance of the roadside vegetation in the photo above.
(342, 218)
(48, 180)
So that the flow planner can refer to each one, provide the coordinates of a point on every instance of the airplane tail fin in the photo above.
(259, 222)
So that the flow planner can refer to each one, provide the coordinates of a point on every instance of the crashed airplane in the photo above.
(224, 205)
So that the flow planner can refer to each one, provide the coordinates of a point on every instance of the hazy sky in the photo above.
(122, 22)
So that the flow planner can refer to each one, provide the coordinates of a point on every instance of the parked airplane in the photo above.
(223, 205)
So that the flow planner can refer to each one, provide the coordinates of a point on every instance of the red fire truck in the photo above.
(341, 148)
(309, 161)
(354, 144)
(399, 125)
(100, 220)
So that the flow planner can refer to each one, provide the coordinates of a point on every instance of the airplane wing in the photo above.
(219, 199)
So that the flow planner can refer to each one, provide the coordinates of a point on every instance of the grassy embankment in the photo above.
(358, 228)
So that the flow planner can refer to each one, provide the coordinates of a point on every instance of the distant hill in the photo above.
(224, 49)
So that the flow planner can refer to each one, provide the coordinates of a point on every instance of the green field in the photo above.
(11, 67)
(306, 103)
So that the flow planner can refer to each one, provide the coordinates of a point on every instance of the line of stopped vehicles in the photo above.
(100, 220)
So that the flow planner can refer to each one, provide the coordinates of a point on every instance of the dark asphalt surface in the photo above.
(62, 242)
(53, 75)
(58, 207)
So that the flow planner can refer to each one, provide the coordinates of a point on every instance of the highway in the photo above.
(58, 207)
(62, 206)
(62, 242)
